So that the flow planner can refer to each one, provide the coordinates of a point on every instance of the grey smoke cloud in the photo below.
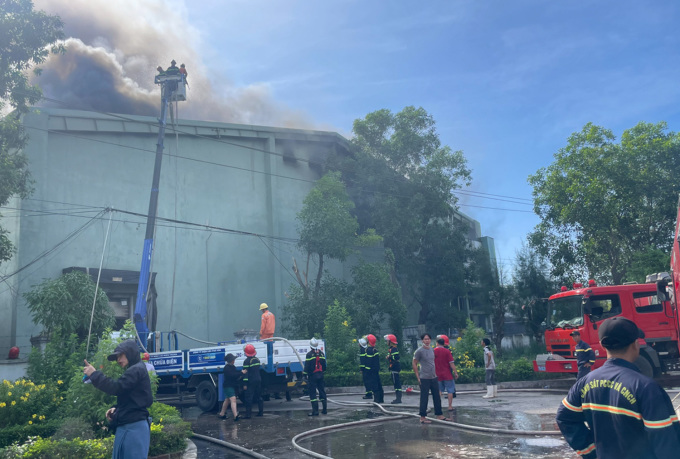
(112, 55)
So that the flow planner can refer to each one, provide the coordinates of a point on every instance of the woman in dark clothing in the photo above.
(130, 417)
(230, 384)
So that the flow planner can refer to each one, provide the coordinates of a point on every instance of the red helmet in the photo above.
(445, 338)
(371, 340)
(13, 353)
(249, 349)
(391, 339)
(145, 356)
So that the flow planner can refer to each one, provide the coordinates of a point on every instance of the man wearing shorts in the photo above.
(446, 370)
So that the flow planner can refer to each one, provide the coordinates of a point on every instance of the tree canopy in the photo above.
(26, 39)
(401, 179)
(603, 203)
(64, 306)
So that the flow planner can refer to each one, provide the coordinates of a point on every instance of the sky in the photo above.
(506, 81)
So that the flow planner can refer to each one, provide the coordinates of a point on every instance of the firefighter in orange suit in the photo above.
(268, 322)
(616, 411)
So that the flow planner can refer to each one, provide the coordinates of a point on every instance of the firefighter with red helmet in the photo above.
(394, 365)
(363, 344)
(315, 366)
(373, 367)
(252, 381)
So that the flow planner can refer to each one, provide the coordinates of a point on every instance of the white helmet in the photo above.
(363, 343)
(313, 343)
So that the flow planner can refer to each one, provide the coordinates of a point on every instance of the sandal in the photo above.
(222, 416)
(425, 421)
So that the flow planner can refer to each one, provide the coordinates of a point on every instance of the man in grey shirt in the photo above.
(427, 378)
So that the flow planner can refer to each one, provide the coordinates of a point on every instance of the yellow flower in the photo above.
(9, 393)
(3, 404)
(459, 339)
(345, 324)
(60, 382)
(354, 340)
(14, 402)
(35, 416)
(30, 422)
(41, 417)
(27, 394)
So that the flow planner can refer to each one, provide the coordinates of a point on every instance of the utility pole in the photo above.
(173, 88)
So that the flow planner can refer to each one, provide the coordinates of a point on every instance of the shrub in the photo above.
(340, 338)
(44, 448)
(169, 438)
(165, 414)
(467, 349)
(72, 428)
(63, 354)
(26, 403)
(20, 433)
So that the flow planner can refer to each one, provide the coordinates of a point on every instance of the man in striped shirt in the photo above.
(615, 411)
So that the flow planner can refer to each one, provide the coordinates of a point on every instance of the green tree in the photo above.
(327, 229)
(26, 39)
(374, 299)
(600, 202)
(64, 306)
(647, 262)
(401, 179)
(533, 285)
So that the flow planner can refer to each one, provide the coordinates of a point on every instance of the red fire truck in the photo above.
(653, 306)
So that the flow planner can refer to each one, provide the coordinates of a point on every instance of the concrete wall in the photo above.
(210, 282)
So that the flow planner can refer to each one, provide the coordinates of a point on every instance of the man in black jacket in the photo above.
(130, 417)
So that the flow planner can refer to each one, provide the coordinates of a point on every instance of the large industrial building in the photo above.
(227, 228)
(226, 232)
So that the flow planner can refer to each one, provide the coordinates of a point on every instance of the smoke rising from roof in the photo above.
(112, 55)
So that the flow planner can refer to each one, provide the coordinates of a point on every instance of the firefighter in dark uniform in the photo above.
(615, 411)
(315, 366)
(585, 356)
(373, 367)
(363, 344)
(395, 366)
(252, 381)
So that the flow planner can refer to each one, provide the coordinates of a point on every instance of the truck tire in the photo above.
(206, 395)
(645, 366)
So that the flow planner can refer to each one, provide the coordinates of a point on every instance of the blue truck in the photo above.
(200, 370)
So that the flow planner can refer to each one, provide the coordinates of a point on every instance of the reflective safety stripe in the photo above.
(571, 407)
(612, 409)
(589, 449)
(660, 424)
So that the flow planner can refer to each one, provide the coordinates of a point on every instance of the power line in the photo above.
(471, 193)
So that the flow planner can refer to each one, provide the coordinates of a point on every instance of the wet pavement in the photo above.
(271, 434)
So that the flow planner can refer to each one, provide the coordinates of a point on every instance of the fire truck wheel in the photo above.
(645, 367)
(206, 396)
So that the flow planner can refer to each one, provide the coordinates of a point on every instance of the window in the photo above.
(609, 305)
(646, 302)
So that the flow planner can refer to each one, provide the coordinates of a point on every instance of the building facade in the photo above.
(226, 231)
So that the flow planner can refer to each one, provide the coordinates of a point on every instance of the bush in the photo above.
(43, 448)
(20, 433)
(169, 438)
(63, 354)
(72, 428)
(340, 338)
(467, 349)
(25, 403)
